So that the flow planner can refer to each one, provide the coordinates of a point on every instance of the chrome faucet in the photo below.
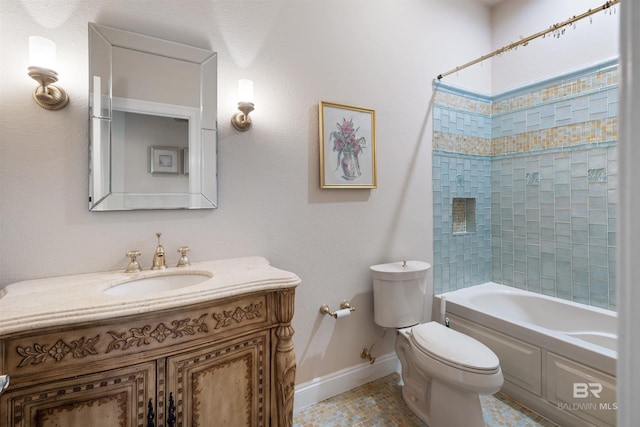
(159, 262)
(4, 383)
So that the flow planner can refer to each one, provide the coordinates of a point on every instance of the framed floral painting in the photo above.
(347, 146)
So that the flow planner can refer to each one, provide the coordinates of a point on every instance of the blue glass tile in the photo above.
(580, 182)
(547, 110)
(563, 177)
(548, 286)
(580, 223)
(533, 119)
(580, 115)
(597, 175)
(563, 190)
(548, 263)
(533, 178)
(563, 215)
(597, 160)
(579, 196)
(598, 219)
(547, 233)
(581, 294)
(563, 229)
(563, 113)
(562, 203)
(579, 209)
(581, 276)
(598, 104)
(563, 268)
(597, 189)
(580, 236)
(547, 172)
(578, 170)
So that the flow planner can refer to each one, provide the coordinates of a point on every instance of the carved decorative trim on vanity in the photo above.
(161, 332)
(41, 352)
(285, 363)
(138, 336)
(249, 312)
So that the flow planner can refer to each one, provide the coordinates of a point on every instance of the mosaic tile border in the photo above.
(585, 133)
(566, 113)
(582, 86)
(461, 144)
(566, 84)
(460, 99)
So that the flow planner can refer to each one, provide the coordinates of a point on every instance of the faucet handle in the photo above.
(183, 261)
(134, 265)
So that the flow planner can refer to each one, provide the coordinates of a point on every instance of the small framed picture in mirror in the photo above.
(185, 161)
(165, 159)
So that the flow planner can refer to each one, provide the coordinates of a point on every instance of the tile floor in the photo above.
(380, 403)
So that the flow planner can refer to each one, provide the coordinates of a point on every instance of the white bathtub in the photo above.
(558, 357)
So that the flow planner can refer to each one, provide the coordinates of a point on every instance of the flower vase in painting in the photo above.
(348, 146)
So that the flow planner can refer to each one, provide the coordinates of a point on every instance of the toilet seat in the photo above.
(453, 348)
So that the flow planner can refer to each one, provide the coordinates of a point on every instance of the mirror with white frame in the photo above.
(153, 123)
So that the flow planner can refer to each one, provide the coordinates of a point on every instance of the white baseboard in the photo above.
(322, 388)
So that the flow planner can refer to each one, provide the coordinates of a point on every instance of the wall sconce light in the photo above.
(241, 120)
(42, 61)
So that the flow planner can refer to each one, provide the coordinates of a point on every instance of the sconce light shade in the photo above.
(245, 90)
(42, 61)
(241, 120)
(42, 53)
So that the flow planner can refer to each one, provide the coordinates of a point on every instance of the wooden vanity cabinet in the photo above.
(228, 362)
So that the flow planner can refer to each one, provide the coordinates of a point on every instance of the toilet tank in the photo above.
(400, 294)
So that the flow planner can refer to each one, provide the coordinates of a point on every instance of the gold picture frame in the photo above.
(347, 146)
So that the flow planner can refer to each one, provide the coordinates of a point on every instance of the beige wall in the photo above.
(380, 55)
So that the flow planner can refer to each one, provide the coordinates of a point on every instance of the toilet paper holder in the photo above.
(345, 309)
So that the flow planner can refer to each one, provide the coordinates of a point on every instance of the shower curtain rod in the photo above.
(526, 40)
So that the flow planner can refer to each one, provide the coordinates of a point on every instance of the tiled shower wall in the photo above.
(461, 169)
(551, 159)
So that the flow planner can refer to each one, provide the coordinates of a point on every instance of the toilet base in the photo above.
(446, 407)
(435, 402)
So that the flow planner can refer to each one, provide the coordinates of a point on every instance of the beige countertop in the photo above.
(62, 300)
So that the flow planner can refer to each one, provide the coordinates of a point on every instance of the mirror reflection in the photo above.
(153, 123)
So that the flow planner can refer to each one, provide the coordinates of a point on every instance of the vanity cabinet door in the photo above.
(114, 398)
(225, 384)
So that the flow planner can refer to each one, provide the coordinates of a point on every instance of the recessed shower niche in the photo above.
(463, 214)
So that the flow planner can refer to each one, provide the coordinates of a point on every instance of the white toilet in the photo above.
(443, 371)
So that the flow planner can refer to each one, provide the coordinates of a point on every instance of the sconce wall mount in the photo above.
(46, 94)
(241, 120)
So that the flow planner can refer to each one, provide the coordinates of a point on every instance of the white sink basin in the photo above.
(160, 283)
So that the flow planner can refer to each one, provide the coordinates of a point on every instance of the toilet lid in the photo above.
(454, 348)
